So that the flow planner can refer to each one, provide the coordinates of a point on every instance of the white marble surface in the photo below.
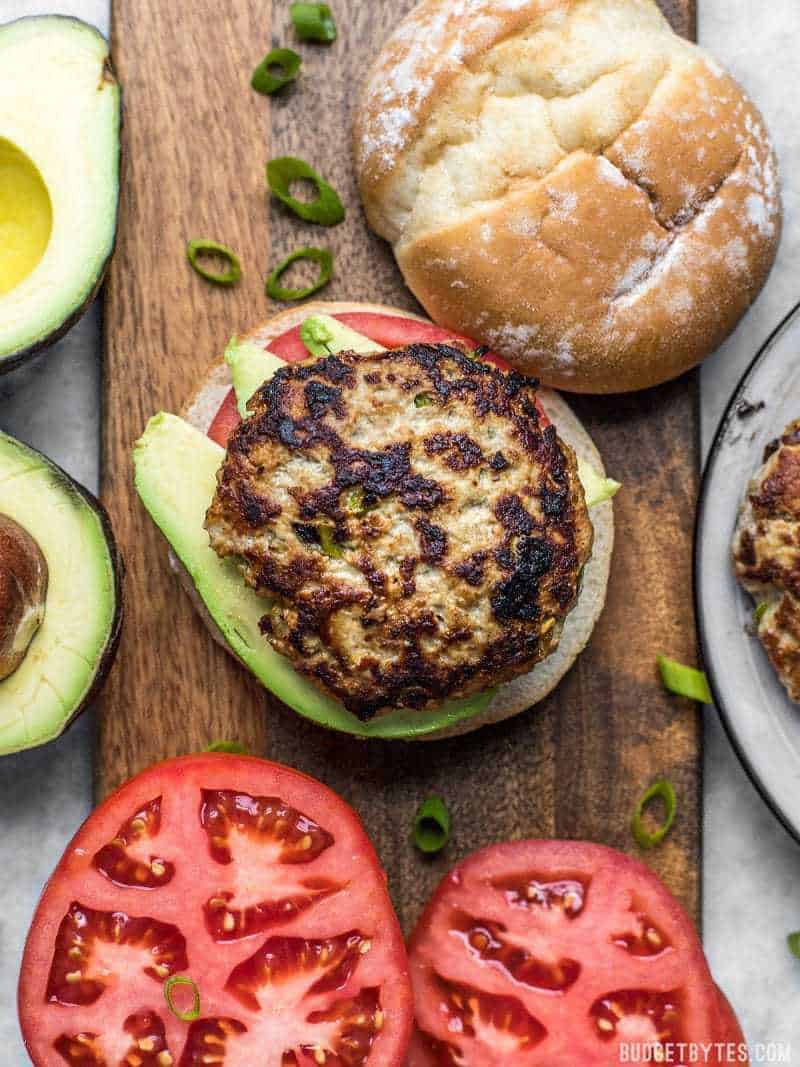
(752, 867)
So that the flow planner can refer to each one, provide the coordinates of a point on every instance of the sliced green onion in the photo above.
(194, 1012)
(316, 335)
(313, 22)
(235, 747)
(684, 681)
(793, 941)
(326, 209)
(661, 790)
(422, 400)
(202, 247)
(315, 255)
(432, 825)
(327, 541)
(760, 612)
(267, 80)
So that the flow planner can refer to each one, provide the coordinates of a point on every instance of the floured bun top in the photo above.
(569, 182)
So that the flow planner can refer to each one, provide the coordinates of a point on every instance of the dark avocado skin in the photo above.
(13, 360)
(106, 660)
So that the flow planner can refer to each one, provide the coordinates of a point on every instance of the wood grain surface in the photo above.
(196, 140)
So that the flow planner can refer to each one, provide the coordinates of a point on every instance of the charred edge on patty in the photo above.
(411, 653)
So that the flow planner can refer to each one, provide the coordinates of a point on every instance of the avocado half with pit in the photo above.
(60, 597)
(59, 178)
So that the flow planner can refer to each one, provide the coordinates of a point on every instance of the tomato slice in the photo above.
(547, 953)
(389, 331)
(250, 878)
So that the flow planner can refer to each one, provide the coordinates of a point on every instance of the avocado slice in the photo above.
(176, 475)
(74, 645)
(250, 366)
(323, 335)
(59, 177)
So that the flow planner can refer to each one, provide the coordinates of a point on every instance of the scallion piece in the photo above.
(316, 255)
(793, 941)
(326, 209)
(194, 1012)
(684, 681)
(234, 747)
(313, 22)
(760, 612)
(662, 790)
(422, 400)
(276, 70)
(201, 248)
(432, 825)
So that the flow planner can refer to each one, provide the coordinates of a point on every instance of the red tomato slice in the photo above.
(541, 954)
(252, 879)
(389, 331)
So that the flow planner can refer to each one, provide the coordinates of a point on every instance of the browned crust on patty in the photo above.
(456, 523)
(766, 554)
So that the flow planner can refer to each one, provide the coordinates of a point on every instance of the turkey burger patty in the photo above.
(415, 524)
(766, 554)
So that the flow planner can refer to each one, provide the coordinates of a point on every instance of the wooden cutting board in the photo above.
(196, 140)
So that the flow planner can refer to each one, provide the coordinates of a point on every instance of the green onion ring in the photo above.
(663, 790)
(202, 247)
(326, 209)
(313, 22)
(316, 255)
(432, 826)
(194, 1011)
(236, 748)
(684, 681)
(264, 81)
(793, 941)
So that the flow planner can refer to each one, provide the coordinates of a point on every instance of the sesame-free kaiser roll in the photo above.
(569, 182)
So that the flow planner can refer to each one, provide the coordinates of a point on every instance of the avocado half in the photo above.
(60, 108)
(75, 637)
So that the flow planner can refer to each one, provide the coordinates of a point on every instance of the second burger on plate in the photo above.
(391, 531)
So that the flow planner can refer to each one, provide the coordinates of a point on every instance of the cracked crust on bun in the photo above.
(570, 183)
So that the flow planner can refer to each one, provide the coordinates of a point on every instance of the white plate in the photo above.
(763, 724)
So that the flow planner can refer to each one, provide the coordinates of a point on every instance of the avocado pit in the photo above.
(23, 591)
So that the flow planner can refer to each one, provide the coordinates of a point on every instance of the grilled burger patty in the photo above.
(766, 554)
(417, 528)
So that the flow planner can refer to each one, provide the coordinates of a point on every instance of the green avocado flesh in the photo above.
(250, 367)
(59, 176)
(76, 640)
(176, 469)
(323, 335)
